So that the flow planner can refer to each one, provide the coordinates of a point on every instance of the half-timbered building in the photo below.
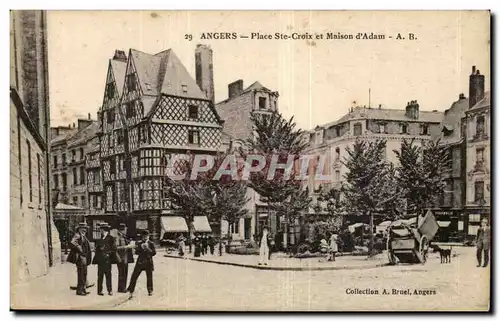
(152, 109)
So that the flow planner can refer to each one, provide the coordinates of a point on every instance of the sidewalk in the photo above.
(52, 292)
(290, 264)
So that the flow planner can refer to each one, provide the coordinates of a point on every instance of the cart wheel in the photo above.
(424, 248)
(390, 255)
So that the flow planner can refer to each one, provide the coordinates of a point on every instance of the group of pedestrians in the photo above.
(203, 243)
(111, 251)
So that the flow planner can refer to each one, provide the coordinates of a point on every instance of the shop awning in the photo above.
(444, 223)
(173, 224)
(200, 224)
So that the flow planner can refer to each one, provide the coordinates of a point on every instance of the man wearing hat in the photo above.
(81, 256)
(483, 239)
(145, 250)
(105, 255)
(124, 256)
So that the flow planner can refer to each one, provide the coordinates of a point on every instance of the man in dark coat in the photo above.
(204, 244)
(145, 249)
(124, 256)
(483, 239)
(81, 256)
(197, 245)
(211, 244)
(105, 255)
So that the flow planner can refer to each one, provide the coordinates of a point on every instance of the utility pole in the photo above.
(369, 97)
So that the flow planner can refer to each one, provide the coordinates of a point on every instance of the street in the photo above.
(191, 285)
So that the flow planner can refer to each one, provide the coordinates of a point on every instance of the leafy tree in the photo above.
(219, 197)
(369, 187)
(420, 173)
(275, 136)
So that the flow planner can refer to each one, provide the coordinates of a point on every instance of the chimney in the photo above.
(461, 96)
(380, 106)
(412, 110)
(203, 57)
(90, 117)
(235, 88)
(476, 87)
(73, 125)
(120, 56)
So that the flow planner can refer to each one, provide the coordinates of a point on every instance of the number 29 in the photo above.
(188, 37)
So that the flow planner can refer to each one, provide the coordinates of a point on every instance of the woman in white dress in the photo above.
(264, 247)
(333, 246)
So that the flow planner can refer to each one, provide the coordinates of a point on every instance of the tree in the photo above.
(369, 185)
(420, 173)
(220, 198)
(276, 137)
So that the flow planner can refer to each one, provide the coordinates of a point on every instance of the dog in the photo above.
(445, 254)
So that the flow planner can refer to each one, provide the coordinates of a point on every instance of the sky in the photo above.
(317, 80)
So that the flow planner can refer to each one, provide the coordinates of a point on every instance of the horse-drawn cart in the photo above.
(408, 241)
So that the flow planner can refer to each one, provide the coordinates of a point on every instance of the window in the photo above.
(131, 81)
(56, 181)
(30, 182)
(357, 129)
(337, 175)
(75, 200)
(381, 128)
(474, 218)
(64, 182)
(478, 191)
(112, 166)
(83, 201)
(337, 131)
(480, 126)
(194, 137)
(97, 178)
(39, 178)
(184, 89)
(425, 129)
(110, 115)
(404, 128)
(119, 137)
(337, 154)
(193, 111)
(110, 141)
(82, 155)
(130, 110)
(75, 178)
(262, 102)
(82, 175)
(73, 155)
(480, 155)
(55, 160)
(110, 90)
(143, 134)
(64, 159)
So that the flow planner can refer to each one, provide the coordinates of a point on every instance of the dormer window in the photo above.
(110, 116)
(184, 89)
(131, 81)
(404, 128)
(357, 129)
(424, 129)
(480, 126)
(110, 91)
(193, 111)
(262, 102)
(337, 154)
(130, 110)
(337, 131)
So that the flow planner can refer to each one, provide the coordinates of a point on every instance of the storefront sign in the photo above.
(443, 213)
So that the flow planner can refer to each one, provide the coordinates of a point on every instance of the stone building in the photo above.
(478, 154)
(34, 241)
(236, 111)
(465, 132)
(68, 181)
(152, 109)
(332, 139)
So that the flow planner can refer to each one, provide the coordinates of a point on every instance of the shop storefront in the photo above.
(472, 220)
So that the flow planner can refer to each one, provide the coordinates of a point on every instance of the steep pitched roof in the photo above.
(119, 68)
(485, 102)
(82, 136)
(62, 137)
(164, 73)
(452, 119)
(256, 86)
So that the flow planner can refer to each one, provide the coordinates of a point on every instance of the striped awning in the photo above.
(173, 224)
(200, 224)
